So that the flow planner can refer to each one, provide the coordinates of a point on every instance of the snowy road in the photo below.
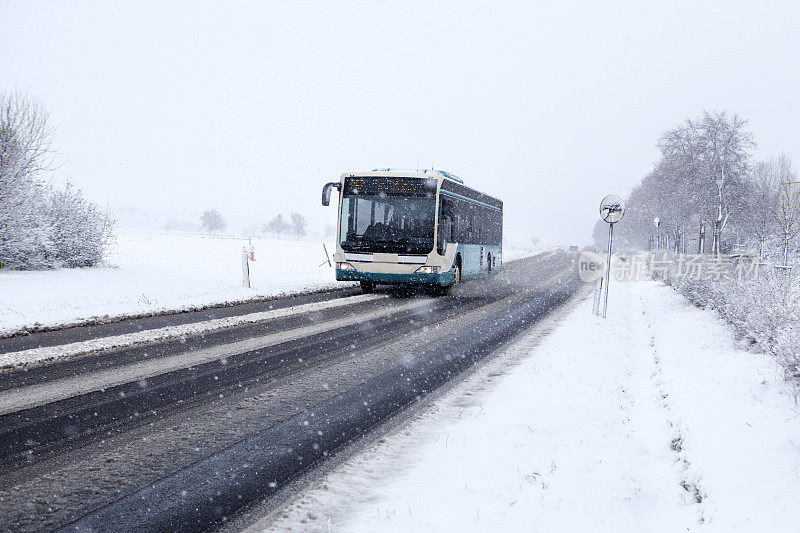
(151, 273)
(91, 429)
(654, 420)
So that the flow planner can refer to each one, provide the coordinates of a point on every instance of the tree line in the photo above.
(706, 193)
(278, 226)
(41, 226)
(296, 226)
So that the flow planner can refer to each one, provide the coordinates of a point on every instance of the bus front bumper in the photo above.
(444, 278)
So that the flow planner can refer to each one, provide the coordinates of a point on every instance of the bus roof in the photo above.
(428, 173)
(406, 173)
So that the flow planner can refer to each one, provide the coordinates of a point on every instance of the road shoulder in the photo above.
(610, 425)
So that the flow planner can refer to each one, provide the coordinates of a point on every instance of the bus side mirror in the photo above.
(326, 192)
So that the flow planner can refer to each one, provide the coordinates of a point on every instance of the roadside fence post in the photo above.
(245, 268)
(598, 291)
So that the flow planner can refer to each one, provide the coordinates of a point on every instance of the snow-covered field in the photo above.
(654, 420)
(160, 271)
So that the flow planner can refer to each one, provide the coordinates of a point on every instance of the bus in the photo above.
(414, 228)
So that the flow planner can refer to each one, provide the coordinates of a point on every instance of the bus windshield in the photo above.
(388, 222)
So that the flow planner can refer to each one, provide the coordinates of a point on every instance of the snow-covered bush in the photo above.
(24, 239)
(79, 232)
(41, 227)
(764, 309)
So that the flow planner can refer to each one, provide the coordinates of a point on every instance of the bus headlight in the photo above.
(345, 266)
(428, 270)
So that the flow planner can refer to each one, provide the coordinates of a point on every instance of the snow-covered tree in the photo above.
(24, 148)
(213, 221)
(277, 226)
(79, 231)
(701, 179)
(763, 202)
(41, 227)
(788, 202)
(708, 160)
(298, 225)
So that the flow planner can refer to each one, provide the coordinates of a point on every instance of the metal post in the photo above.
(608, 268)
(327, 256)
(598, 294)
(612, 209)
(245, 269)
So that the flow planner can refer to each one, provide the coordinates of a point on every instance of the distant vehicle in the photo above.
(573, 248)
(414, 227)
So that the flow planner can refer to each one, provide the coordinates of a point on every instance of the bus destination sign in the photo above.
(370, 185)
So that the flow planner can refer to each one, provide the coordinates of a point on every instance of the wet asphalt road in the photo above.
(196, 491)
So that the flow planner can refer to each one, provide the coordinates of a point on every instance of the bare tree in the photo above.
(24, 153)
(763, 201)
(657, 196)
(725, 153)
(24, 137)
(788, 202)
(213, 221)
(298, 224)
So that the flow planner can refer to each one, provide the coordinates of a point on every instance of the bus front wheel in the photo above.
(367, 286)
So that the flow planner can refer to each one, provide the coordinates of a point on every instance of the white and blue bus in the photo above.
(414, 227)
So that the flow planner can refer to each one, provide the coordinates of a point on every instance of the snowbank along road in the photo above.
(153, 425)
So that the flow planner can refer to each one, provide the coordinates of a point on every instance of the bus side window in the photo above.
(345, 231)
(472, 227)
(460, 221)
(445, 231)
(445, 234)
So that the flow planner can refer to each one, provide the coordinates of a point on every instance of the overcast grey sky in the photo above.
(250, 107)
